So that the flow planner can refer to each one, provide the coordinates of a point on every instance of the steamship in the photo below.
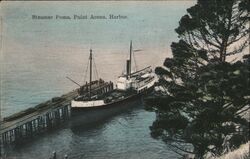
(129, 85)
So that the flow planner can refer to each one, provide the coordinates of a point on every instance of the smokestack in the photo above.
(128, 68)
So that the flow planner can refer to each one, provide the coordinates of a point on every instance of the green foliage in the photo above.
(205, 94)
(205, 110)
(215, 26)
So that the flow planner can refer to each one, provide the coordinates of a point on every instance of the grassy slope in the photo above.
(241, 153)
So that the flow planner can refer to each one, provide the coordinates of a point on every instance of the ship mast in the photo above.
(90, 72)
(130, 54)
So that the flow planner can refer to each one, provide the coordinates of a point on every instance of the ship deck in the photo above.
(111, 95)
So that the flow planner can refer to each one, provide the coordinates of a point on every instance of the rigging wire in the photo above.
(134, 60)
(86, 71)
(95, 70)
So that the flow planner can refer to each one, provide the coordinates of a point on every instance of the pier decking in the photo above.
(19, 126)
(42, 117)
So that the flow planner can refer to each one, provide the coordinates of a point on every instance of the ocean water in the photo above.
(124, 134)
(38, 55)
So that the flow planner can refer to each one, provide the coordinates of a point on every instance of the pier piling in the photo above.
(28, 123)
(17, 128)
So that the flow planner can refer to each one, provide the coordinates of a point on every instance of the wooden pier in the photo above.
(22, 125)
(45, 116)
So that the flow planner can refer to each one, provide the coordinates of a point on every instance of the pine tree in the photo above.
(201, 110)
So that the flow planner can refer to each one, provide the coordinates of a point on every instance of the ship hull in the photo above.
(113, 104)
(84, 118)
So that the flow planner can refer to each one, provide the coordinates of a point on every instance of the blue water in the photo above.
(37, 55)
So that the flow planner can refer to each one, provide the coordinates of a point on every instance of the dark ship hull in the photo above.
(117, 103)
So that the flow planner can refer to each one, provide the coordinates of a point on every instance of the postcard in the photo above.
(76, 76)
